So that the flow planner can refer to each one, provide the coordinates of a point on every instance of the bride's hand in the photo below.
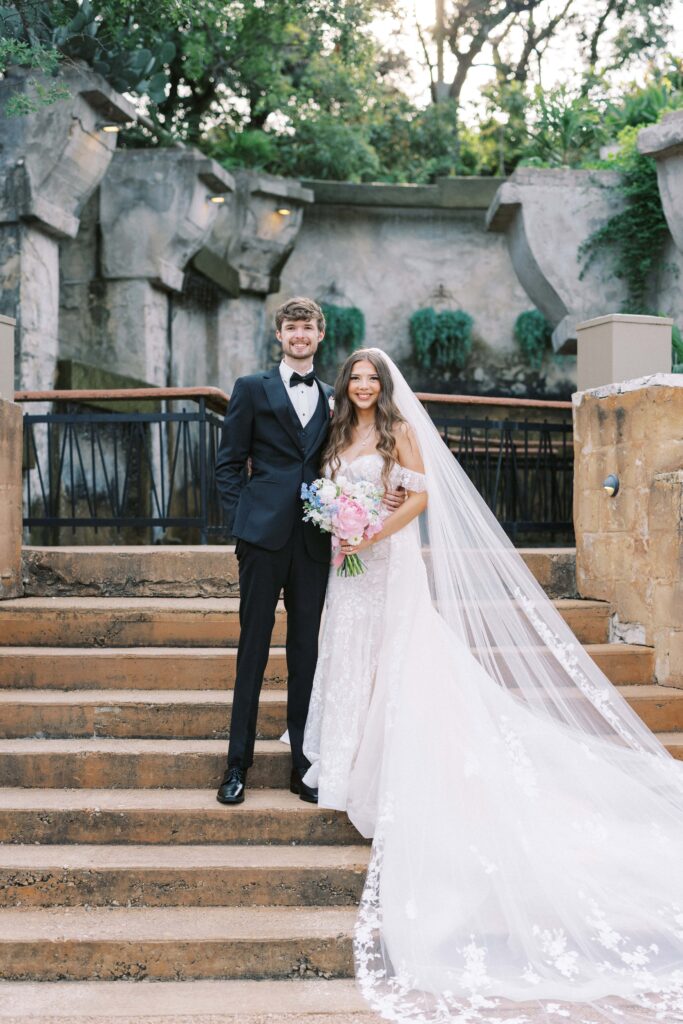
(350, 549)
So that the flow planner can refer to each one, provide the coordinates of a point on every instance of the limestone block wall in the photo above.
(629, 548)
(391, 250)
(10, 500)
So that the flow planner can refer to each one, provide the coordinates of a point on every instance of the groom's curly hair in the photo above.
(299, 308)
(387, 416)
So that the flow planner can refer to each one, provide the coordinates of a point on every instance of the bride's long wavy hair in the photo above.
(345, 419)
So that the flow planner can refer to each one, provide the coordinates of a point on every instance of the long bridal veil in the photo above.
(528, 850)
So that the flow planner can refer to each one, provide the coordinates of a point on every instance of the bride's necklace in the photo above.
(366, 437)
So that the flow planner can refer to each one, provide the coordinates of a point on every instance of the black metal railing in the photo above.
(147, 472)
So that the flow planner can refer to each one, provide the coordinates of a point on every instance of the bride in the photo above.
(527, 859)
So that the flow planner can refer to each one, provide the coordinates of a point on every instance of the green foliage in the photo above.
(532, 332)
(635, 236)
(565, 126)
(441, 340)
(676, 349)
(132, 50)
(345, 329)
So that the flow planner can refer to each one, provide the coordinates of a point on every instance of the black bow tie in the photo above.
(306, 379)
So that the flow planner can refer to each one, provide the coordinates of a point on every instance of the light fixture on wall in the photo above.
(217, 199)
(611, 485)
(110, 127)
(284, 212)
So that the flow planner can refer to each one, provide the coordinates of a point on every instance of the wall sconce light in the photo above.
(217, 199)
(611, 485)
(110, 127)
(284, 212)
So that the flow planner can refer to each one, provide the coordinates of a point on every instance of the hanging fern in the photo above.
(532, 332)
(423, 336)
(345, 329)
(453, 339)
(442, 340)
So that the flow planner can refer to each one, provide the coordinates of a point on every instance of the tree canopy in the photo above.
(303, 87)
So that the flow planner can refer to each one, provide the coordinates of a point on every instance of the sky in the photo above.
(560, 67)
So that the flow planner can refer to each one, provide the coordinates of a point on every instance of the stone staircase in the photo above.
(117, 865)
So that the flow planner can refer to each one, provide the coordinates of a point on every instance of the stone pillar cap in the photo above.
(625, 318)
(659, 140)
(654, 380)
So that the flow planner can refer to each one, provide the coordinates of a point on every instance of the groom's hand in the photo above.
(394, 499)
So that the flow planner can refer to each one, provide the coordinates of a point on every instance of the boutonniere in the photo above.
(330, 402)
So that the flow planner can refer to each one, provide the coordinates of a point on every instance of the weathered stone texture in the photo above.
(392, 261)
(546, 216)
(630, 546)
(10, 500)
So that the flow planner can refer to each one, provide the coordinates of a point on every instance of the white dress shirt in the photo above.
(303, 397)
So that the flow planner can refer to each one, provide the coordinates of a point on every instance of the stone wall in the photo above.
(629, 548)
(391, 250)
(10, 499)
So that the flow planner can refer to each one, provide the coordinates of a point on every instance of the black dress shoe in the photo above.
(297, 785)
(231, 789)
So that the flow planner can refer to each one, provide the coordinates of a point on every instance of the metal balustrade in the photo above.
(138, 464)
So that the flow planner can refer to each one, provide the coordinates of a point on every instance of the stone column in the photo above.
(10, 499)
(50, 163)
(246, 253)
(546, 215)
(156, 211)
(621, 347)
(629, 547)
(7, 325)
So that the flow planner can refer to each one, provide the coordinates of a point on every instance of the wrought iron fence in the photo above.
(136, 475)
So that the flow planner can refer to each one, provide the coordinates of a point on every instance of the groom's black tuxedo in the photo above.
(276, 550)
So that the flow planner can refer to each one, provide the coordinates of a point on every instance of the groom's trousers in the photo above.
(263, 575)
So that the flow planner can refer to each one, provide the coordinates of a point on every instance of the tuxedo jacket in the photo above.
(262, 425)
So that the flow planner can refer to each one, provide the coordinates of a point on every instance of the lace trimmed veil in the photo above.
(580, 899)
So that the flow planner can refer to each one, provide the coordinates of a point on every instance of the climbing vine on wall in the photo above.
(345, 329)
(441, 340)
(532, 332)
(635, 236)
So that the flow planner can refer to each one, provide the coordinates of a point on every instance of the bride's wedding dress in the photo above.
(528, 829)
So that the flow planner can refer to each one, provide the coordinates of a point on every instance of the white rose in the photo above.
(327, 491)
(330, 402)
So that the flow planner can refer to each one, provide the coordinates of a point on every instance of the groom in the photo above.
(278, 421)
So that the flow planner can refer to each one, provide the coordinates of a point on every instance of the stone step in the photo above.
(310, 1000)
(146, 764)
(165, 816)
(185, 622)
(205, 714)
(142, 714)
(213, 668)
(200, 571)
(175, 943)
(134, 764)
(181, 876)
(146, 668)
(124, 622)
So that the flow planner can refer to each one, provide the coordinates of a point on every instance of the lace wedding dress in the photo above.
(527, 862)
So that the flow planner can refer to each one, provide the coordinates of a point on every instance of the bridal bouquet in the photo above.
(350, 511)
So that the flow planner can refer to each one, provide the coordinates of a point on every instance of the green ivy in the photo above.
(345, 329)
(441, 340)
(635, 236)
(533, 333)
